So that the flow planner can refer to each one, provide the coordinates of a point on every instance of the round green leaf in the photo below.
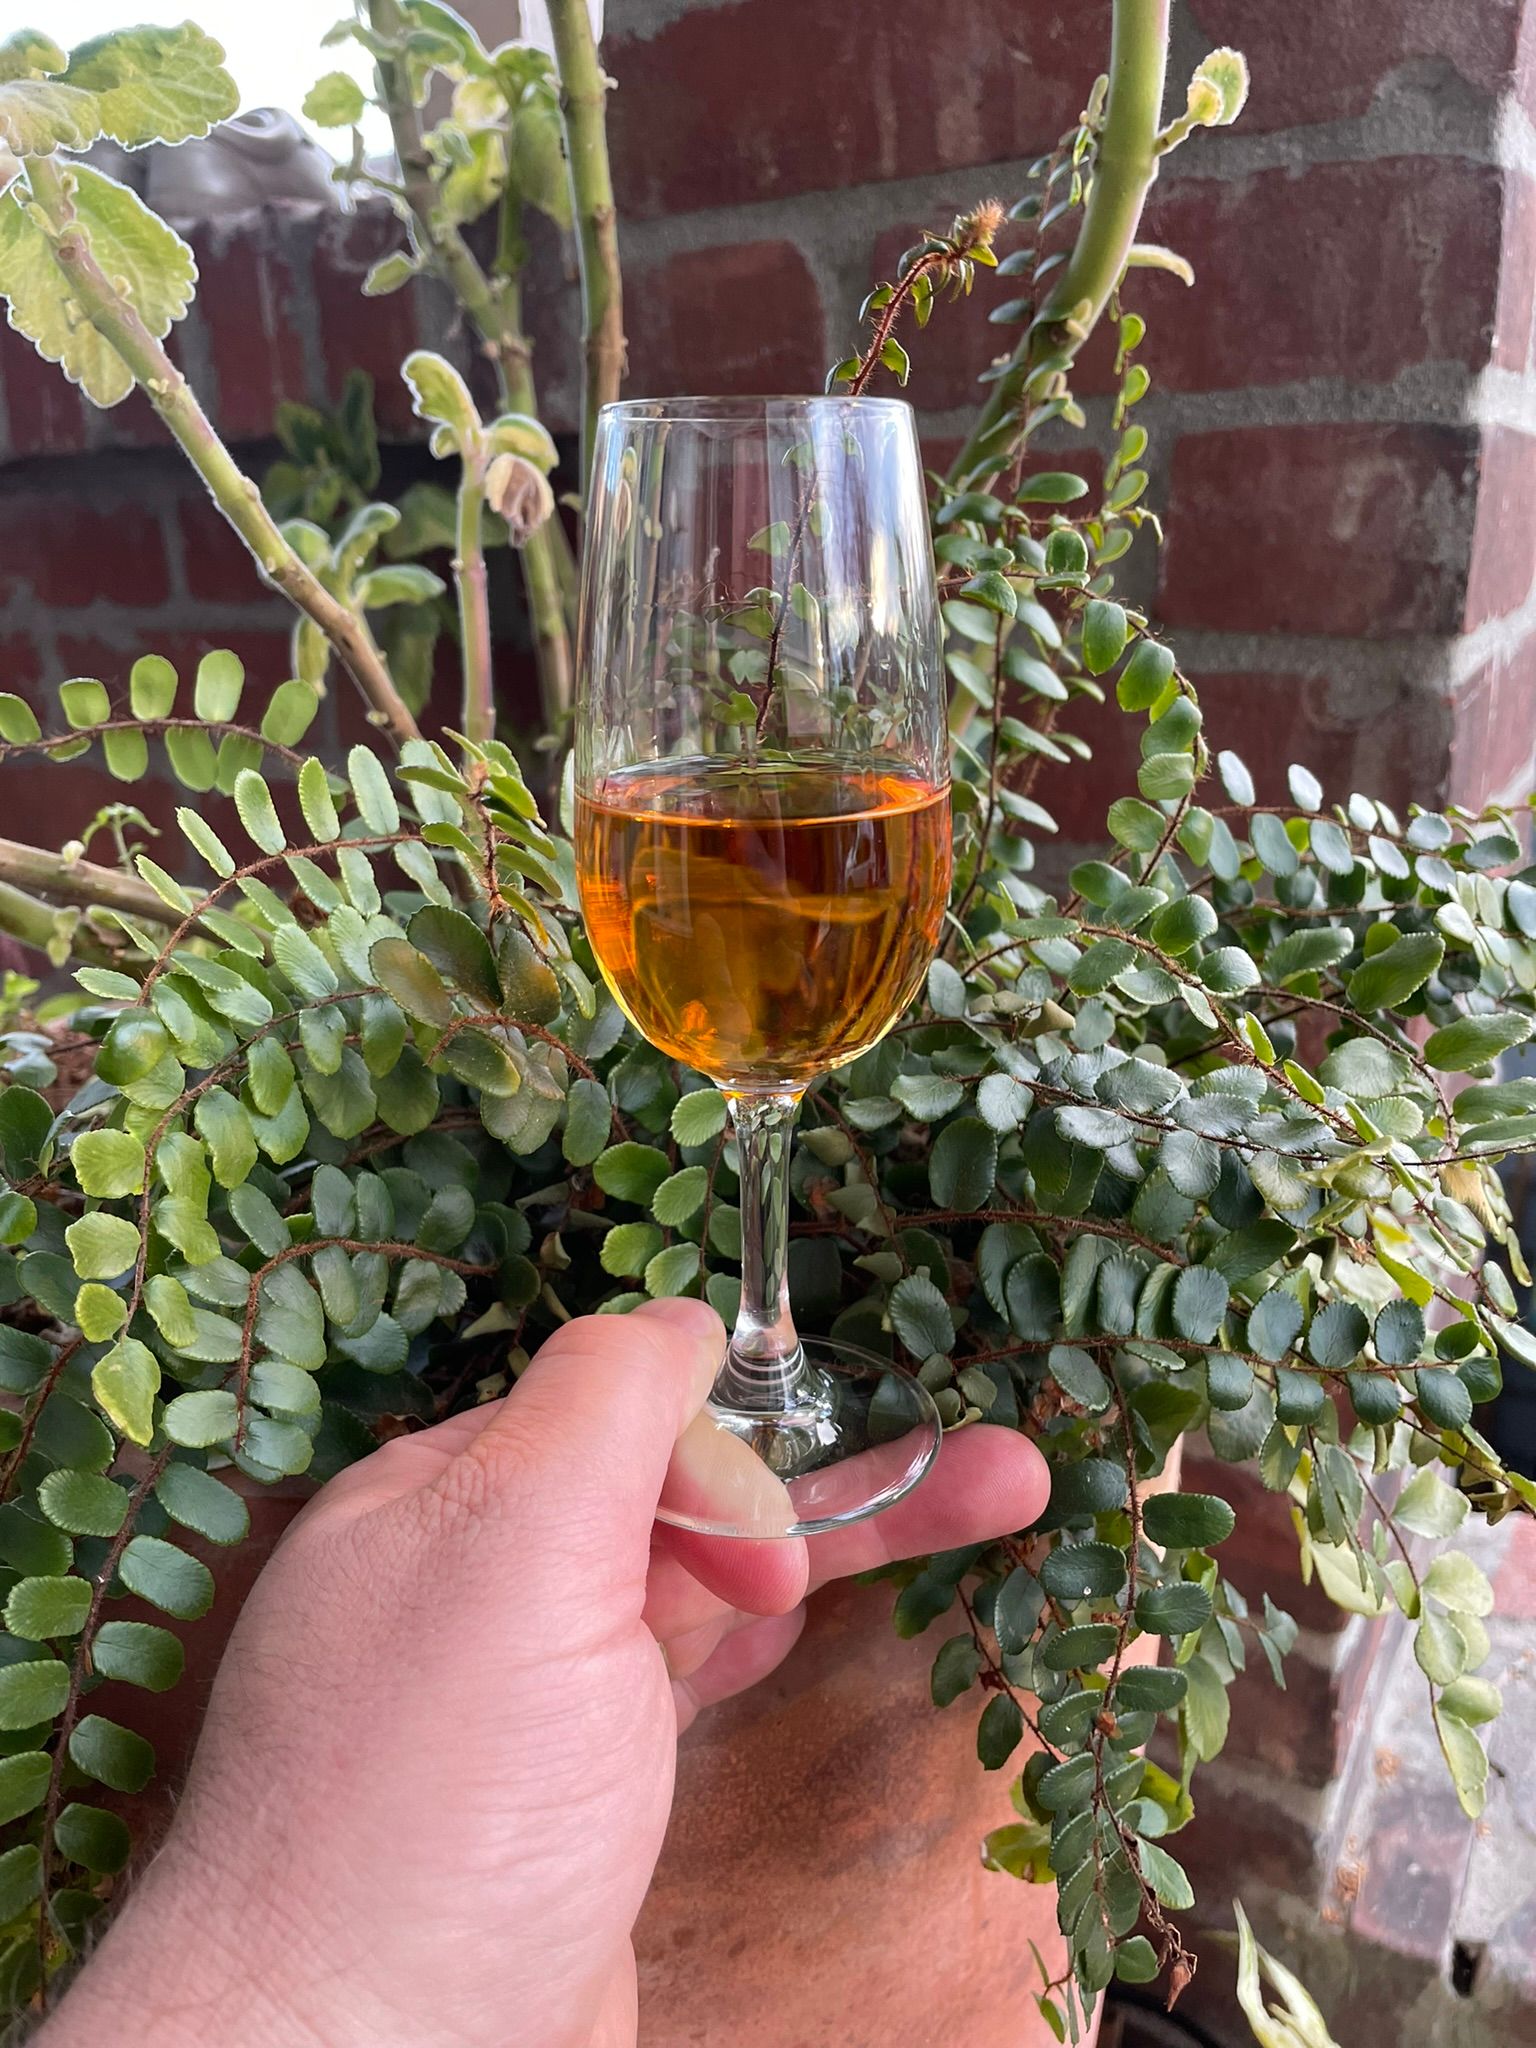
(963, 1164)
(1187, 1521)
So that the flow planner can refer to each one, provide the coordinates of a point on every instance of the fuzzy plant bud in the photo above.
(520, 493)
(978, 228)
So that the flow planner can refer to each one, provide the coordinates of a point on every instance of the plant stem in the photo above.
(494, 308)
(583, 96)
(479, 712)
(24, 917)
(543, 576)
(114, 317)
(1125, 166)
(80, 881)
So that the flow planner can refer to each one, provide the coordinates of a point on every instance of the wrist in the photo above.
(184, 1965)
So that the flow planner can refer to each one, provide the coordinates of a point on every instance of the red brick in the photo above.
(133, 422)
(769, 97)
(740, 319)
(1517, 274)
(366, 334)
(246, 291)
(67, 551)
(1355, 270)
(54, 803)
(219, 568)
(1493, 729)
(1504, 535)
(45, 412)
(1248, 1828)
(21, 668)
(1394, 746)
(1328, 63)
(1298, 1733)
(1344, 529)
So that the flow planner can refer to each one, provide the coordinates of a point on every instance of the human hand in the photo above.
(438, 1760)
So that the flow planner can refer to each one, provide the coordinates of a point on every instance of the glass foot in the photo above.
(859, 1434)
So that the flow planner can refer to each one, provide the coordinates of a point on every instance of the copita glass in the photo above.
(763, 844)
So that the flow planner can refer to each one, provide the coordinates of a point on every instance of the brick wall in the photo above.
(1344, 427)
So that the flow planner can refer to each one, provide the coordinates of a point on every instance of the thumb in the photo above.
(578, 1451)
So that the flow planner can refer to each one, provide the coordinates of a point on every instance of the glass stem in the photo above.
(764, 1365)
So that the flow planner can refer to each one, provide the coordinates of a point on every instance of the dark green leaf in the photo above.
(1000, 1731)
(111, 1754)
(963, 1165)
(1176, 1609)
(1187, 1521)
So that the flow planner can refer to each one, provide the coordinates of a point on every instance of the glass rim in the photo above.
(684, 408)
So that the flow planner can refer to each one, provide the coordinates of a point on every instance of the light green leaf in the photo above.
(258, 813)
(1104, 635)
(40, 1608)
(439, 393)
(1439, 1650)
(152, 687)
(139, 1653)
(1165, 1876)
(99, 1312)
(32, 1693)
(672, 1271)
(18, 721)
(303, 964)
(680, 1197)
(290, 712)
(1458, 1583)
(154, 84)
(102, 1246)
(370, 788)
(316, 803)
(225, 1128)
(126, 1382)
(334, 101)
(697, 1118)
(150, 263)
(218, 689)
(40, 115)
(206, 841)
(108, 1163)
(201, 1420)
(83, 1503)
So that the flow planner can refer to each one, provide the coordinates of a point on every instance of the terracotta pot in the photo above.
(821, 1884)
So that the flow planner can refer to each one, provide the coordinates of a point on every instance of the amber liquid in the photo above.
(763, 924)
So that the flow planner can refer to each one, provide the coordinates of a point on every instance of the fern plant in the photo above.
(1201, 1136)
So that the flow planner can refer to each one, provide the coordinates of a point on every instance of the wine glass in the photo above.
(763, 848)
